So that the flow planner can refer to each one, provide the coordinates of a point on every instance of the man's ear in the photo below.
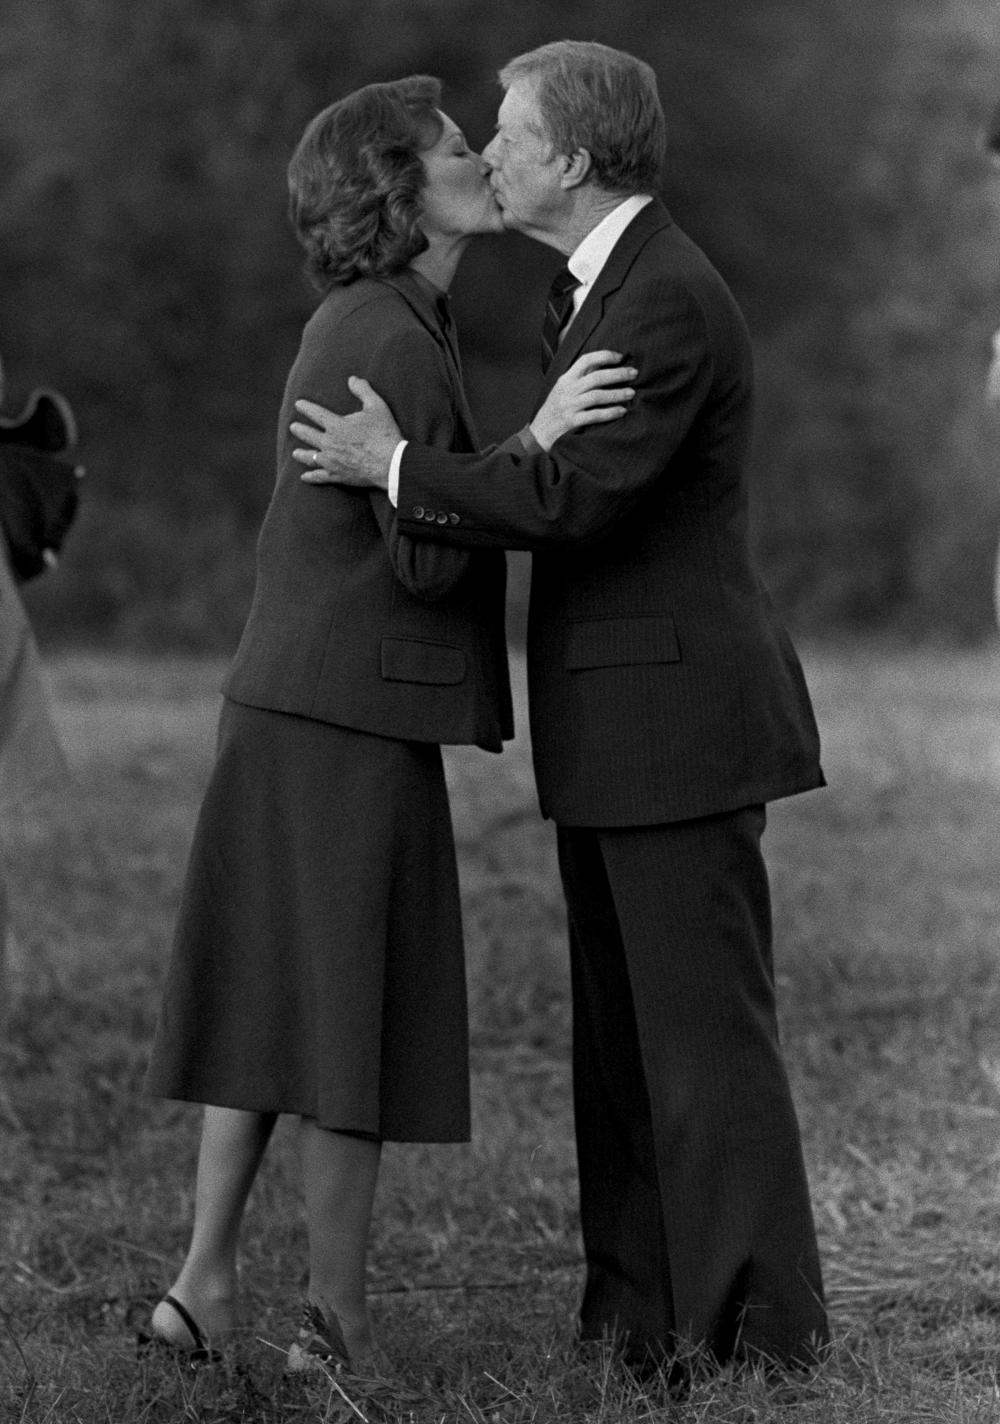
(577, 167)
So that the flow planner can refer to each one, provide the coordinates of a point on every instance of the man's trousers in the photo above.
(695, 1211)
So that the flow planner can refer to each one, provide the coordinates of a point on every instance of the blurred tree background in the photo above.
(826, 154)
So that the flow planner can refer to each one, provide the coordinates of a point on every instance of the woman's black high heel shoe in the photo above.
(198, 1353)
(320, 1343)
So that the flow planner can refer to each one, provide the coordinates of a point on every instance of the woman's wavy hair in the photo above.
(355, 180)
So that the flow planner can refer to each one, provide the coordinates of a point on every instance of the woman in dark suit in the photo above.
(317, 967)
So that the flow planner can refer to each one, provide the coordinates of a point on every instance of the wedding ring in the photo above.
(315, 457)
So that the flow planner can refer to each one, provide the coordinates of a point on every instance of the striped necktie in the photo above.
(557, 313)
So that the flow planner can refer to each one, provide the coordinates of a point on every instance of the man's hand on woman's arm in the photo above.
(347, 449)
(357, 449)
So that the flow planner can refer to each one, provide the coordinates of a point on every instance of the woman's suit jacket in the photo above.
(351, 621)
(662, 685)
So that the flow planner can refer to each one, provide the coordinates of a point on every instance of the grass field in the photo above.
(887, 928)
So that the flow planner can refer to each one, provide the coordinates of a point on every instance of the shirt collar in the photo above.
(428, 301)
(595, 249)
(437, 298)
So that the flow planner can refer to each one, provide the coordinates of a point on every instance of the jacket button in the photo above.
(454, 518)
(442, 518)
(429, 516)
(418, 511)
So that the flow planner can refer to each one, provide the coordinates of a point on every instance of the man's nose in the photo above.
(489, 155)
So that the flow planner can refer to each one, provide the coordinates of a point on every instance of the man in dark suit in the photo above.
(667, 707)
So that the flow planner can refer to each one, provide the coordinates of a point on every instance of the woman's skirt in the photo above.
(317, 965)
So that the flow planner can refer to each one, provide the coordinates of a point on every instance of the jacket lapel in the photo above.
(652, 218)
(420, 304)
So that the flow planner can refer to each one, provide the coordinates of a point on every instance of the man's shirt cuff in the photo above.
(393, 487)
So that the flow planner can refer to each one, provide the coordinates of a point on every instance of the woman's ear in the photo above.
(576, 167)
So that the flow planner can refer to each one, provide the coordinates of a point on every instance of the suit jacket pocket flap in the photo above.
(622, 642)
(410, 660)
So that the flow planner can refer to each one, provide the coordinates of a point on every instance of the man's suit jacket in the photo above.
(352, 622)
(662, 684)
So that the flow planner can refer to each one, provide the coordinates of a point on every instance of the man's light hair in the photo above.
(600, 99)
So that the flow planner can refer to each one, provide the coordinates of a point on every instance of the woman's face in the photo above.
(456, 200)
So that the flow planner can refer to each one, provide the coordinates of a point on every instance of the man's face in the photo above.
(525, 171)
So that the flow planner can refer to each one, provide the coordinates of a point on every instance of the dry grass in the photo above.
(885, 890)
